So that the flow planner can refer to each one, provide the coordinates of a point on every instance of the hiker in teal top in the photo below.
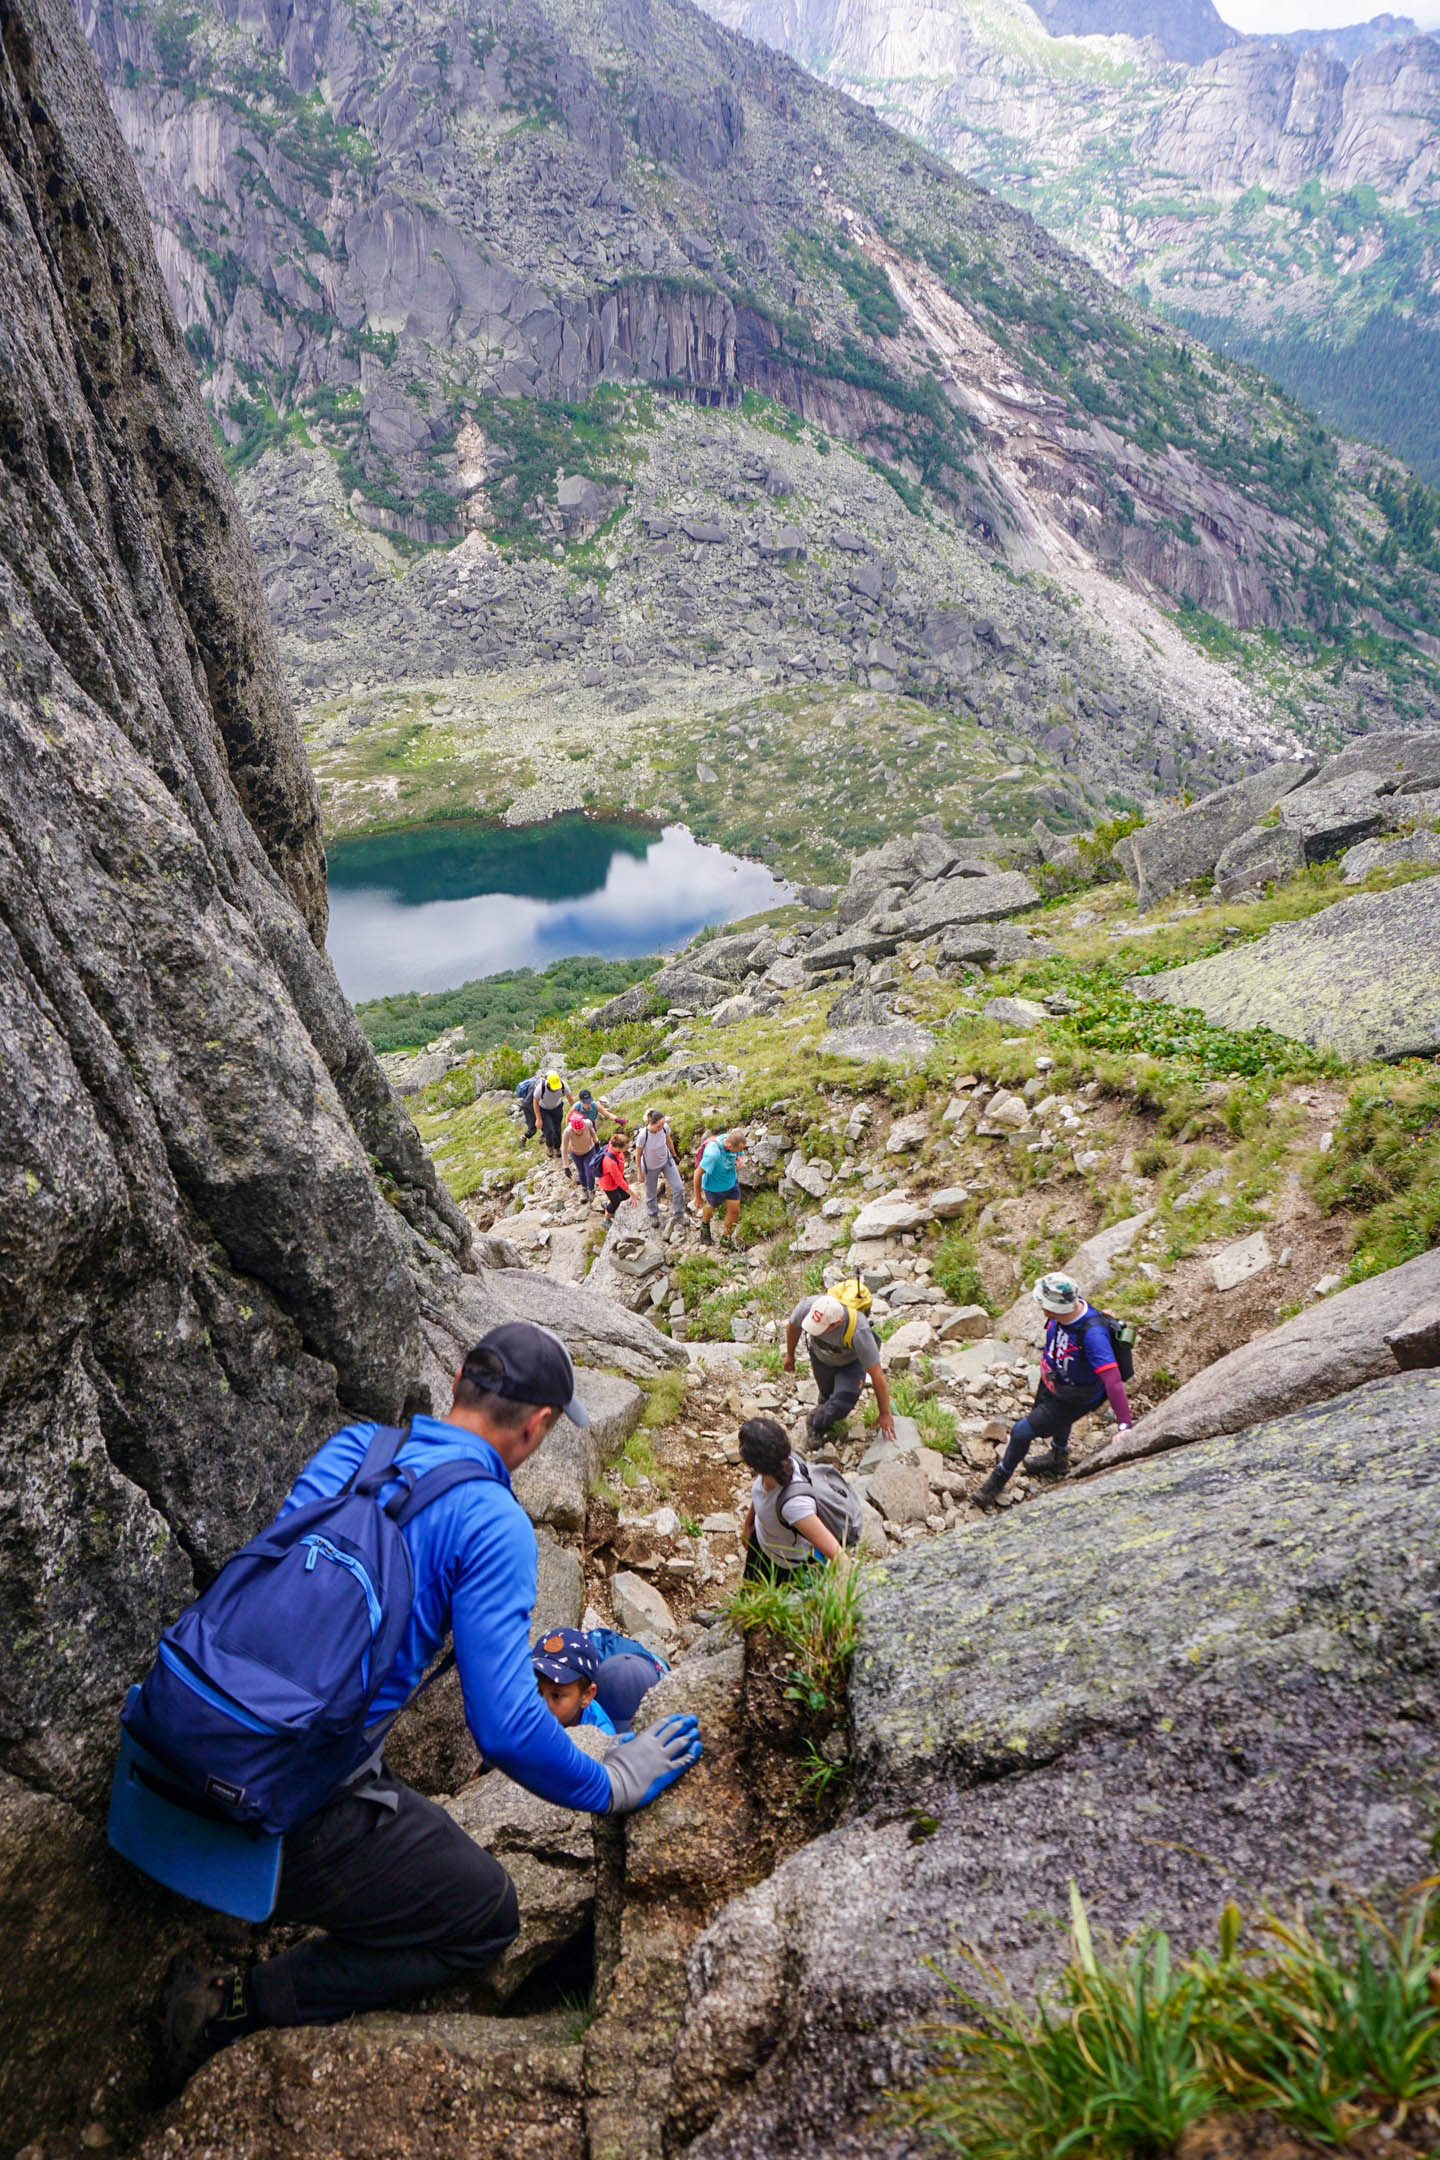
(717, 1182)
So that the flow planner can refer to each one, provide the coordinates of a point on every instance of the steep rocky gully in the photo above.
(1207, 1675)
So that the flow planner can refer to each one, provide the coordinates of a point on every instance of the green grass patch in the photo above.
(1327, 2027)
(1385, 1166)
(494, 1008)
(955, 1269)
(817, 1620)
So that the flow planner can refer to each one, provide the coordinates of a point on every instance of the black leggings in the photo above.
(840, 1389)
(1047, 1419)
(408, 1900)
(550, 1125)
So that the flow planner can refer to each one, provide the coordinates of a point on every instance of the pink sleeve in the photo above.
(1115, 1389)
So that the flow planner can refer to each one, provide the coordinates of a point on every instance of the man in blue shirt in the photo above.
(408, 1901)
(1078, 1372)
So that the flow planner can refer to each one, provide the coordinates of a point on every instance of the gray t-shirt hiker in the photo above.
(829, 1349)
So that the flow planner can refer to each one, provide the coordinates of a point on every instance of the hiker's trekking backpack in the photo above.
(857, 1301)
(1122, 1335)
(836, 1501)
(258, 1703)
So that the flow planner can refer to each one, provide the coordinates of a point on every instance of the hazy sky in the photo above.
(1258, 16)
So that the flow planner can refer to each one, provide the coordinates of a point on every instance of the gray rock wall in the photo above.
(219, 1235)
(1210, 1677)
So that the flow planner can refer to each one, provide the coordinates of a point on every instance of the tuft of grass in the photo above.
(763, 1215)
(1327, 2028)
(955, 1270)
(1385, 1166)
(817, 1620)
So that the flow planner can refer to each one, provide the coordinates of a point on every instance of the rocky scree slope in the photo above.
(1277, 195)
(416, 258)
(219, 1234)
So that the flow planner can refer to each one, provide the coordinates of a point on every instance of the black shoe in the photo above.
(1054, 1463)
(202, 2010)
(986, 1496)
(704, 1233)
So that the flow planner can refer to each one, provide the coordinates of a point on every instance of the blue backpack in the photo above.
(259, 1699)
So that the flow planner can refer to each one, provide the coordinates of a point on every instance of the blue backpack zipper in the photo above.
(319, 1547)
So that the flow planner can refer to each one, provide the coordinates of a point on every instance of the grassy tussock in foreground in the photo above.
(1331, 2029)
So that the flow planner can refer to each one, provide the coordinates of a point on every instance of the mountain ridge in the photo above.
(462, 297)
(1275, 192)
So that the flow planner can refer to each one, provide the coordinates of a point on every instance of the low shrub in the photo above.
(955, 1270)
(1328, 2028)
(816, 1619)
(1385, 1165)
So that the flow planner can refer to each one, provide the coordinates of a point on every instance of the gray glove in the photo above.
(642, 1768)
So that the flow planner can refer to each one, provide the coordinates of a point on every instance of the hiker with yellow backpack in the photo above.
(844, 1353)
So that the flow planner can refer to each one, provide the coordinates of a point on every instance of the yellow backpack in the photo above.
(857, 1301)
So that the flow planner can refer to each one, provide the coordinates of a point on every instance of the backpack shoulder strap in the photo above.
(406, 1506)
(379, 1458)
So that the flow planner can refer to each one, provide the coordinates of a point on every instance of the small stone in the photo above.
(908, 1132)
(639, 1608)
(1236, 1263)
(949, 1201)
(1015, 1012)
(968, 1323)
(901, 1491)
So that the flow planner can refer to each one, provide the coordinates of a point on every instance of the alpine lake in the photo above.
(431, 906)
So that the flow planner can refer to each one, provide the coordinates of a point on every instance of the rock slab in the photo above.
(1332, 1346)
(1358, 979)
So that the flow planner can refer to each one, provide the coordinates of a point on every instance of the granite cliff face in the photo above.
(219, 1234)
(576, 307)
(1279, 196)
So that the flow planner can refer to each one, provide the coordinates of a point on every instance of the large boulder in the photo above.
(684, 984)
(1358, 979)
(376, 2087)
(1160, 858)
(1405, 848)
(648, 1087)
(889, 1042)
(549, 1854)
(1334, 1345)
(1155, 1687)
(1329, 816)
(937, 907)
(1266, 855)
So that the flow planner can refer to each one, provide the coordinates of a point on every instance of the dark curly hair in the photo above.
(765, 1446)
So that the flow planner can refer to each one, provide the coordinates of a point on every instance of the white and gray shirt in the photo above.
(776, 1511)
(653, 1146)
(830, 1349)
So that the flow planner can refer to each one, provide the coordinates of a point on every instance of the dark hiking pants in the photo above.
(1047, 1419)
(550, 1125)
(840, 1387)
(408, 1903)
(588, 1167)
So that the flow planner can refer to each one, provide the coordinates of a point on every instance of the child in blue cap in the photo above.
(567, 1667)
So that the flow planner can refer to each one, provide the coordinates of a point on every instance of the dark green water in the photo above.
(566, 860)
(431, 906)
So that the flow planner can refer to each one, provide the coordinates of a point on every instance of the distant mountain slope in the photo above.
(1184, 29)
(1282, 197)
(682, 385)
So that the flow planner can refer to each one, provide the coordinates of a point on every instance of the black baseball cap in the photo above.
(526, 1364)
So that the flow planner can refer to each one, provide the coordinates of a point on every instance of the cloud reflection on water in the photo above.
(381, 945)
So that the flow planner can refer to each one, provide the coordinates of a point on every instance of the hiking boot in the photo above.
(203, 2008)
(1054, 1463)
(986, 1496)
(704, 1233)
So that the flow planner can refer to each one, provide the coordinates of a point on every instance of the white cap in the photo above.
(824, 1315)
